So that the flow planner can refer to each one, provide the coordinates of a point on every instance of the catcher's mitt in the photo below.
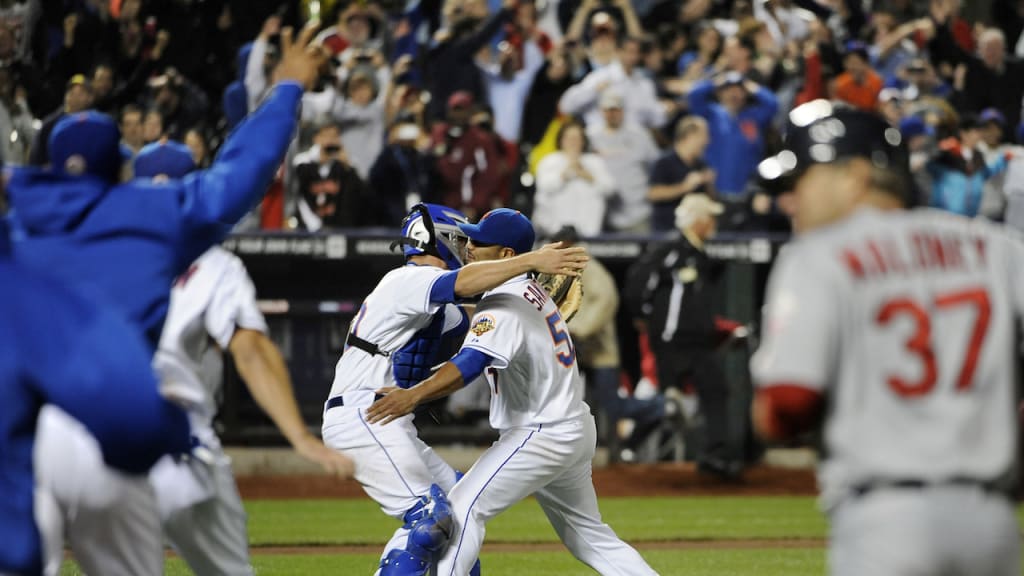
(566, 291)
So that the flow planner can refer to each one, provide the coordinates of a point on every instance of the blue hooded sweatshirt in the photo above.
(61, 349)
(125, 244)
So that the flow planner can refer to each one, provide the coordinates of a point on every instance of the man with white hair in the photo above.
(675, 285)
(992, 80)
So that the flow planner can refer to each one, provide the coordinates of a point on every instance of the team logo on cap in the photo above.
(75, 165)
(483, 325)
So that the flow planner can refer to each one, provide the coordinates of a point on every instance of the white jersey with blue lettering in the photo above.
(534, 378)
(209, 302)
(907, 322)
(397, 309)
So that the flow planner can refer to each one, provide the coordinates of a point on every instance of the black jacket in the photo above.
(672, 289)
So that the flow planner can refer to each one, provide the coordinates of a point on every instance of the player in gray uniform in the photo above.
(212, 311)
(897, 328)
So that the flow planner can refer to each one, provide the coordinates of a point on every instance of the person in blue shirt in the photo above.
(738, 112)
(123, 245)
(61, 349)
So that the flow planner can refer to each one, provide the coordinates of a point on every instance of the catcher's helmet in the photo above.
(434, 229)
(822, 133)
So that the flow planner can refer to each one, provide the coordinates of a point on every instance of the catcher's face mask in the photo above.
(433, 229)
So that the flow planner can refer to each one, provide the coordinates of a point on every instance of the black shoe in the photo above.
(720, 469)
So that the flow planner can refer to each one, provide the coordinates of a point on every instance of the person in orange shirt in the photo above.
(859, 86)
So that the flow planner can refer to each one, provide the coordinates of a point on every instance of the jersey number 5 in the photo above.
(920, 343)
(560, 335)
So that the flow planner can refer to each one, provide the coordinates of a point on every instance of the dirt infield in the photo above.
(634, 480)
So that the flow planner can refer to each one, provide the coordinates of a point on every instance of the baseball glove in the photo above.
(566, 291)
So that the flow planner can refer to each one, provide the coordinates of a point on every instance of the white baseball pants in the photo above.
(947, 530)
(394, 466)
(110, 519)
(553, 462)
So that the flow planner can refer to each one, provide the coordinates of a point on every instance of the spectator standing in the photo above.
(16, 122)
(628, 151)
(508, 84)
(152, 126)
(676, 283)
(550, 82)
(130, 124)
(641, 104)
(859, 85)
(595, 26)
(573, 186)
(403, 175)
(196, 142)
(991, 79)
(737, 123)
(450, 68)
(77, 97)
(181, 103)
(679, 172)
(330, 191)
(959, 172)
(469, 161)
(993, 147)
(360, 112)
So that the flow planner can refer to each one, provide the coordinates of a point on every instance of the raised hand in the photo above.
(557, 259)
(299, 61)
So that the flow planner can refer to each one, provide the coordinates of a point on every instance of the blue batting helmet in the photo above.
(434, 229)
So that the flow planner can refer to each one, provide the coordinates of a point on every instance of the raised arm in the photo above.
(213, 200)
(480, 277)
(701, 97)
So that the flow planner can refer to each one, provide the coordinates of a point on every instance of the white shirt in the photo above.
(628, 153)
(209, 302)
(533, 377)
(640, 98)
(577, 202)
(394, 312)
(906, 323)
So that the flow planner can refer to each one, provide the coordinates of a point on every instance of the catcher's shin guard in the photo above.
(430, 528)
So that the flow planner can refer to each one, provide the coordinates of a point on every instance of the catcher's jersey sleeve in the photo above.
(399, 307)
(800, 324)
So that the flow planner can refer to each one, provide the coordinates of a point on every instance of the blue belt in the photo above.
(340, 401)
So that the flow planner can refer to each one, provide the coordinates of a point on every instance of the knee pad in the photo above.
(403, 563)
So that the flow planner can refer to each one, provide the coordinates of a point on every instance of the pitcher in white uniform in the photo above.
(547, 435)
(213, 311)
(898, 328)
(404, 328)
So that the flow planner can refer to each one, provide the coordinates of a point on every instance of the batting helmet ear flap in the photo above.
(428, 246)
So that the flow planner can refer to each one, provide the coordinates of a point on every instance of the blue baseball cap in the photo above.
(912, 126)
(171, 159)
(502, 227)
(992, 115)
(87, 143)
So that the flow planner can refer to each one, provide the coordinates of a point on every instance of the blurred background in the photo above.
(597, 118)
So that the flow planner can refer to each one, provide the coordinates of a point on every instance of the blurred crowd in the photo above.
(596, 114)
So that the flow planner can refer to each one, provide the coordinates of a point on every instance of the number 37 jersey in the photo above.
(907, 323)
(533, 377)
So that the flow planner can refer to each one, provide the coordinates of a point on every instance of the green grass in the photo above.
(361, 521)
(666, 562)
(339, 522)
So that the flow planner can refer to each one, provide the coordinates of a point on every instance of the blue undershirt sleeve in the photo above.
(443, 290)
(471, 364)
